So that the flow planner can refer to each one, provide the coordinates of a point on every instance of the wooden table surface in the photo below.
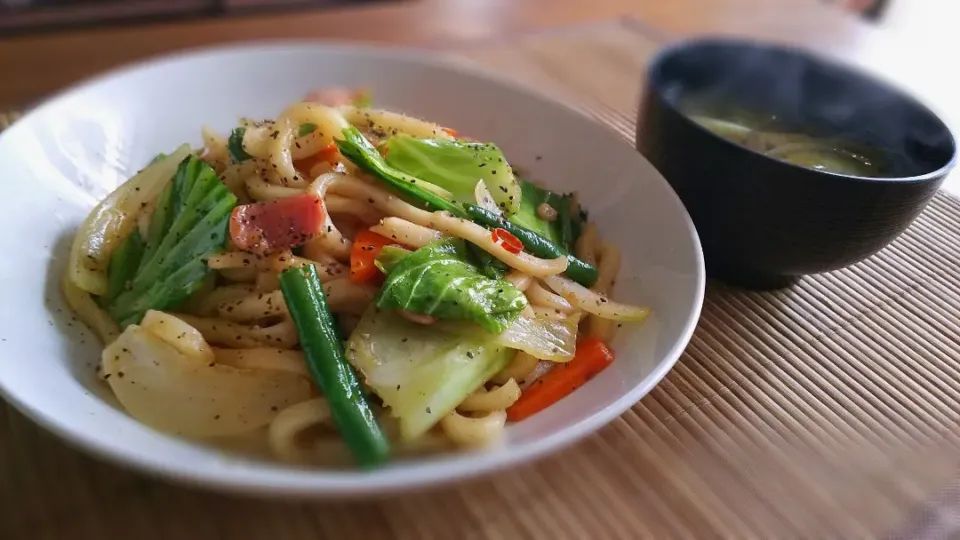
(911, 47)
(33, 66)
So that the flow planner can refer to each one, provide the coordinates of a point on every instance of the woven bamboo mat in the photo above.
(826, 411)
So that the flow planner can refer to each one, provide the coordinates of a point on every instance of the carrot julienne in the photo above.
(363, 254)
(592, 357)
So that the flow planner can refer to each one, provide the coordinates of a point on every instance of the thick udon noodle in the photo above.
(246, 322)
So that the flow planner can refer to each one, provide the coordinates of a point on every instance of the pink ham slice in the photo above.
(331, 97)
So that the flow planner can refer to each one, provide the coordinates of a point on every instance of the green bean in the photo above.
(327, 365)
(577, 270)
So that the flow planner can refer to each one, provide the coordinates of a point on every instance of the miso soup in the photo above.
(821, 153)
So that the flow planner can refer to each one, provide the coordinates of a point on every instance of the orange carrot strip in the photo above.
(592, 357)
(328, 154)
(363, 254)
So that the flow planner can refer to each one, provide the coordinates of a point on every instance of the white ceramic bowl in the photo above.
(60, 159)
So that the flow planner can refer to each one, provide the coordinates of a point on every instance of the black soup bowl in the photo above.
(766, 218)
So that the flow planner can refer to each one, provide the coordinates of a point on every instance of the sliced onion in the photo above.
(485, 199)
(541, 369)
(547, 339)
(161, 386)
(113, 219)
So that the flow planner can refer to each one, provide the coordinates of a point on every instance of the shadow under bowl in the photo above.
(764, 222)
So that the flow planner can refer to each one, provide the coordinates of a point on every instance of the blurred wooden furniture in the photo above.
(34, 66)
(24, 15)
(21, 17)
(909, 46)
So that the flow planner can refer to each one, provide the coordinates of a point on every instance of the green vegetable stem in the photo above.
(235, 146)
(577, 270)
(189, 223)
(123, 264)
(324, 353)
(358, 150)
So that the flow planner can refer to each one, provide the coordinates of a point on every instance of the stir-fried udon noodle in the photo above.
(343, 278)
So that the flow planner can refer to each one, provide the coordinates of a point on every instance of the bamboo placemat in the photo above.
(829, 410)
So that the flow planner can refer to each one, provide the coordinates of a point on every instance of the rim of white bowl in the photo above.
(267, 479)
